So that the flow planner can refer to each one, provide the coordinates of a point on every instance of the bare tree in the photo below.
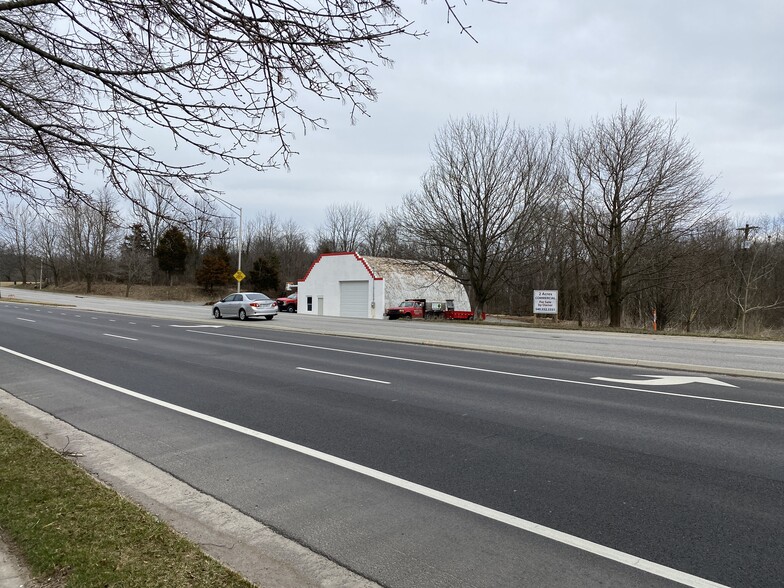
(633, 188)
(293, 251)
(222, 233)
(758, 262)
(16, 230)
(382, 237)
(204, 227)
(152, 207)
(261, 235)
(6, 263)
(480, 198)
(91, 232)
(268, 238)
(49, 244)
(83, 80)
(344, 227)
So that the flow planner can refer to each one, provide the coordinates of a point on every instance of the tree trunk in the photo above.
(615, 306)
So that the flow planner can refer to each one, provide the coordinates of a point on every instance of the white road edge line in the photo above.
(342, 375)
(528, 526)
(498, 372)
(120, 337)
(25, 320)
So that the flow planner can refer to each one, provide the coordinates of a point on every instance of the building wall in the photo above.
(323, 281)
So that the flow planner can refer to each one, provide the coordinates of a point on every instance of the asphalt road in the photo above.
(428, 466)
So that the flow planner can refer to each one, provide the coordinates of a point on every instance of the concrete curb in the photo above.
(13, 573)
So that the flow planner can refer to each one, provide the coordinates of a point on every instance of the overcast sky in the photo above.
(716, 65)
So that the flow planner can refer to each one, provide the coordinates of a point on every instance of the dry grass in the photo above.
(73, 531)
(139, 292)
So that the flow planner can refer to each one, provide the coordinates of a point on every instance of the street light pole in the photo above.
(239, 249)
(238, 210)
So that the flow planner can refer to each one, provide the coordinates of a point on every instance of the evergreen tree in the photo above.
(172, 252)
(215, 270)
(265, 275)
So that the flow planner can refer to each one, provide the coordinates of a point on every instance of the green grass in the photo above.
(66, 523)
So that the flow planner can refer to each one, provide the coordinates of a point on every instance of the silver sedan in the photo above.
(246, 305)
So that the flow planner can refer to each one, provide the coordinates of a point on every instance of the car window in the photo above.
(293, 296)
(257, 296)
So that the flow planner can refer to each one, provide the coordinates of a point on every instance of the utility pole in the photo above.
(746, 230)
(743, 289)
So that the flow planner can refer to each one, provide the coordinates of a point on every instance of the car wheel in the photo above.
(291, 309)
(243, 315)
(406, 316)
(216, 313)
(269, 317)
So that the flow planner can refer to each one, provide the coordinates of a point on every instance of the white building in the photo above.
(346, 284)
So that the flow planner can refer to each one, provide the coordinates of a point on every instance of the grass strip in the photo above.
(66, 523)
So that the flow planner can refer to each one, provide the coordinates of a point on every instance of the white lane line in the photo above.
(666, 381)
(25, 320)
(119, 337)
(529, 526)
(498, 372)
(342, 375)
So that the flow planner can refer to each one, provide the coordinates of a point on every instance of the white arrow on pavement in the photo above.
(667, 381)
(197, 326)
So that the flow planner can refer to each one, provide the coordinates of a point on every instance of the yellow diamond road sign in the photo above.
(239, 276)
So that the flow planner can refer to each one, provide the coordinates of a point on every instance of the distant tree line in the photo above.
(617, 216)
(89, 242)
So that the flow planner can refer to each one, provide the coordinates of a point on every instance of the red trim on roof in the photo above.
(358, 257)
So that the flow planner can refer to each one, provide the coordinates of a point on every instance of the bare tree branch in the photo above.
(90, 85)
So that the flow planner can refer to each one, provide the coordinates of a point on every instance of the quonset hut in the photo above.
(349, 285)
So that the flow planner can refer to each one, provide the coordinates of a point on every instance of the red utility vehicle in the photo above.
(424, 309)
(287, 303)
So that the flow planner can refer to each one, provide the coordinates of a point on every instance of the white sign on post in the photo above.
(546, 302)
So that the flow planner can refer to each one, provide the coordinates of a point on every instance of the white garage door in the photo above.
(354, 299)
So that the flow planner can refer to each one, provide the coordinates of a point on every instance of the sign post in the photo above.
(239, 276)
